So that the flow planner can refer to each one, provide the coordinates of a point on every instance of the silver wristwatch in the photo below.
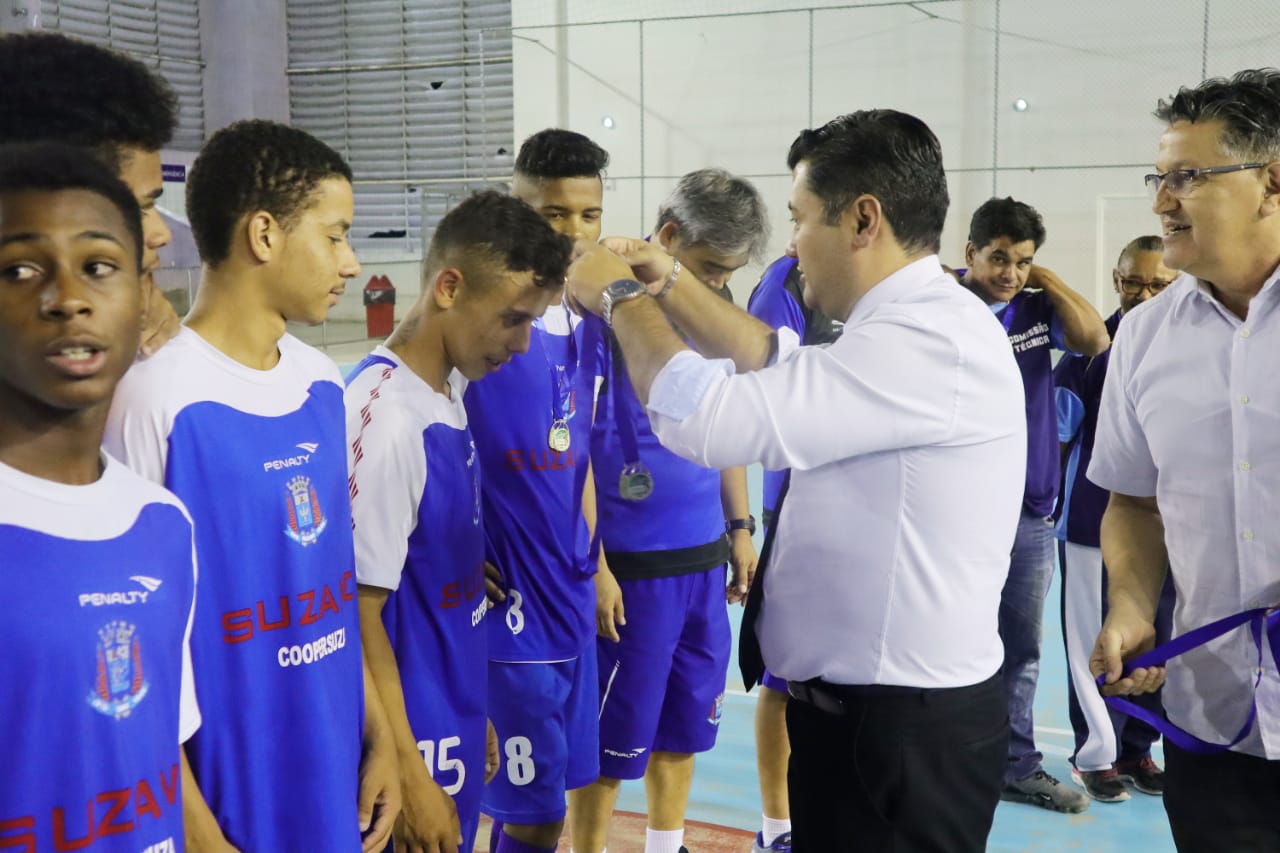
(618, 292)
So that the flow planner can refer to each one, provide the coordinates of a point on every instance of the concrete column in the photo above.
(246, 54)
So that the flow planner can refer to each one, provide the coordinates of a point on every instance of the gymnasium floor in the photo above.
(724, 807)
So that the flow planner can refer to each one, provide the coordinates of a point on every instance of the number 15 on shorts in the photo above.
(440, 765)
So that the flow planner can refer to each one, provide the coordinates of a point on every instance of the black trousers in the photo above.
(900, 769)
(1223, 803)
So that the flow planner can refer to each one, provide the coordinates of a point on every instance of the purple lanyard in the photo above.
(592, 336)
(635, 480)
(624, 414)
(1261, 620)
(562, 376)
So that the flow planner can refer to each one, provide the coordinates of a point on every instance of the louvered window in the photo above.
(163, 34)
(417, 95)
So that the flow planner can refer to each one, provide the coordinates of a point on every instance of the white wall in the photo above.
(730, 83)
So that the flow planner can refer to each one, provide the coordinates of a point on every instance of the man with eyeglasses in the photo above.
(1039, 313)
(1110, 749)
(1188, 444)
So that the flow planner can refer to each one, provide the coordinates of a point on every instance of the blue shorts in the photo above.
(662, 685)
(773, 682)
(545, 717)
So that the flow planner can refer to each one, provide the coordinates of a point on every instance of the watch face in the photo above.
(623, 288)
(620, 291)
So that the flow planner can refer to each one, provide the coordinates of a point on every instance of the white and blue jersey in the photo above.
(259, 458)
(534, 533)
(415, 498)
(97, 677)
(1078, 388)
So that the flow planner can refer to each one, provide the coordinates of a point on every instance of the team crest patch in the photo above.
(120, 684)
(306, 521)
(717, 710)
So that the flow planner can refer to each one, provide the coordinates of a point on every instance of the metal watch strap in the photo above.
(612, 300)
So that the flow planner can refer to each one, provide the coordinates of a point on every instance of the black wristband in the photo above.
(748, 524)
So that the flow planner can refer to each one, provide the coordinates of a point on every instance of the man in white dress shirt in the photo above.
(907, 443)
(1189, 446)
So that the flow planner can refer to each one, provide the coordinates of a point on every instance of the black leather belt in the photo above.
(819, 695)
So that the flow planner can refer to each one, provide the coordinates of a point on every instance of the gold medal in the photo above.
(559, 439)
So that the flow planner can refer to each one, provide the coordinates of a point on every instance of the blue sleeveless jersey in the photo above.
(533, 531)
(684, 511)
(259, 458)
(415, 496)
(101, 581)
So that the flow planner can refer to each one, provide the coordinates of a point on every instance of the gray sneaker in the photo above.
(1041, 789)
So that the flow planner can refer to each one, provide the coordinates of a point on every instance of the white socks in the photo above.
(663, 841)
(770, 828)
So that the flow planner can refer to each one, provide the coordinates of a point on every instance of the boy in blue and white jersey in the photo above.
(492, 268)
(245, 423)
(116, 108)
(532, 428)
(98, 690)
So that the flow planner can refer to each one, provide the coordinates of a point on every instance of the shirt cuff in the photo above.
(788, 345)
(678, 389)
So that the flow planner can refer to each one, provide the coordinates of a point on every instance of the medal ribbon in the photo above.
(562, 377)
(585, 373)
(1262, 621)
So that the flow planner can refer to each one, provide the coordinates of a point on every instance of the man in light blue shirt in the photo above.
(1188, 442)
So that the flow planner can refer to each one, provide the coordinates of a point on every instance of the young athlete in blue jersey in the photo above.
(662, 674)
(779, 301)
(1004, 236)
(98, 691)
(246, 424)
(113, 106)
(493, 267)
(532, 424)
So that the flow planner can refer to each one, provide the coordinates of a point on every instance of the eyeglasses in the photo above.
(1178, 181)
(1134, 286)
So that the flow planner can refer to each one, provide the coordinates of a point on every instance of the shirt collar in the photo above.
(1204, 291)
(895, 285)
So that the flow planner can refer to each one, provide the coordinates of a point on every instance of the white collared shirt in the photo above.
(907, 444)
(1191, 414)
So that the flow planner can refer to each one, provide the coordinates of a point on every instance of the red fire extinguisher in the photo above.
(379, 307)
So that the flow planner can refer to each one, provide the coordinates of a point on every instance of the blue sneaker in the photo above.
(781, 844)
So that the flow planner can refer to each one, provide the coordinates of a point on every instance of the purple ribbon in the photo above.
(1261, 620)
(585, 376)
